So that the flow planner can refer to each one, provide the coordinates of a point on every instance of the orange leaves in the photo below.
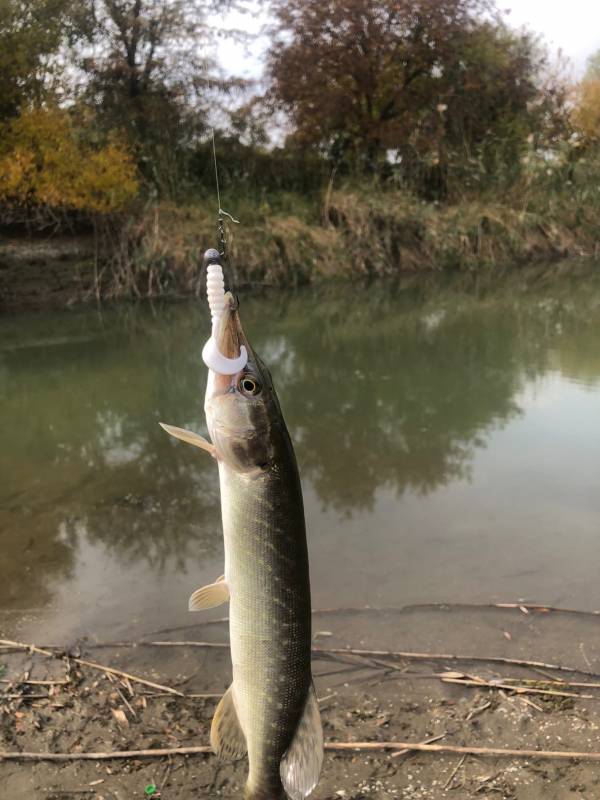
(45, 161)
(108, 179)
(586, 112)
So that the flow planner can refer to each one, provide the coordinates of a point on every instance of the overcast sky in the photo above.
(573, 26)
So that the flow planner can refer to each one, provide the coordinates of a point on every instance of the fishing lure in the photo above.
(215, 290)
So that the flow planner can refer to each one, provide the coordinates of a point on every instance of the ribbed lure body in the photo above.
(215, 293)
(211, 355)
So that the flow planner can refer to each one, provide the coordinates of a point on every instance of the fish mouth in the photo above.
(225, 347)
(230, 336)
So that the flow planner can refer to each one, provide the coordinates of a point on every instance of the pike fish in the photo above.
(270, 710)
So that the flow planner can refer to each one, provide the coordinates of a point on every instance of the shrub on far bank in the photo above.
(48, 162)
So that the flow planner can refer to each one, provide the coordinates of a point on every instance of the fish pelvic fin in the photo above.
(302, 761)
(190, 437)
(227, 738)
(211, 596)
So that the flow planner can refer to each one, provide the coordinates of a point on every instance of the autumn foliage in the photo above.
(586, 110)
(445, 84)
(43, 162)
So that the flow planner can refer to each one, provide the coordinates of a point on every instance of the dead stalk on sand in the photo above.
(5, 643)
(398, 654)
(421, 747)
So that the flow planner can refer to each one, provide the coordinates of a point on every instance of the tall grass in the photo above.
(339, 227)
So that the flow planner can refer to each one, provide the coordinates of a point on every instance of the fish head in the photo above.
(242, 410)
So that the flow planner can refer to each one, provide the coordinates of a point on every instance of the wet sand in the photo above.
(362, 699)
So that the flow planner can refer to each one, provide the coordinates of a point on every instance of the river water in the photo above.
(447, 432)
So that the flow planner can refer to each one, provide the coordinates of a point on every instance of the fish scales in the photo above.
(270, 710)
(270, 625)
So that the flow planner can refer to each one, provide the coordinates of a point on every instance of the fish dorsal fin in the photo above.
(190, 437)
(301, 764)
(209, 596)
(226, 735)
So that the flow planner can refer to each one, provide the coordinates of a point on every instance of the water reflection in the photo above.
(401, 401)
(385, 387)
(83, 455)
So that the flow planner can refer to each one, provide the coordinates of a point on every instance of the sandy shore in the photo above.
(363, 698)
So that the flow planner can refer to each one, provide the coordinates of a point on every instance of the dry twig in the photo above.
(318, 651)
(425, 741)
(498, 752)
(534, 607)
(17, 682)
(454, 771)
(481, 684)
(91, 664)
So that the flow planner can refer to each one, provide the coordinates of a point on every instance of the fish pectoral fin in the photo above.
(190, 437)
(227, 738)
(211, 596)
(301, 764)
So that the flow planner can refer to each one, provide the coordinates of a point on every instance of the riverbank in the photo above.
(157, 252)
(87, 697)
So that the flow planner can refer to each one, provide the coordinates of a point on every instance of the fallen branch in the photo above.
(552, 682)
(522, 607)
(474, 751)
(18, 696)
(316, 651)
(399, 753)
(538, 608)
(91, 664)
(18, 682)
(517, 662)
(498, 752)
(481, 684)
(454, 771)
(108, 756)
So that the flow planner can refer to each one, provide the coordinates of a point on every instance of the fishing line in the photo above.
(214, 149)
(215, 261)
(221, 213)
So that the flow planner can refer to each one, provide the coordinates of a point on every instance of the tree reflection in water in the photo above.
(382, 387)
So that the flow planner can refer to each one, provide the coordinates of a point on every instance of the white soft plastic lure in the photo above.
(212, 357)
(215, 360)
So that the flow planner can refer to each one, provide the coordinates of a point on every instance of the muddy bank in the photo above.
(362, 698)
(46, 273)
(157, 252)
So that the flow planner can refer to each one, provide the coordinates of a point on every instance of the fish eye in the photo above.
(249, 385)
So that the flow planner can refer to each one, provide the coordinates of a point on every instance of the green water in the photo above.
(447, 432)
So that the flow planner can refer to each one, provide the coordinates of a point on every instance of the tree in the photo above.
(31, 34)
(149, 72)
(430, 79)
(586, 109)
(358, 70)
(592, 71)
(586, 102)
